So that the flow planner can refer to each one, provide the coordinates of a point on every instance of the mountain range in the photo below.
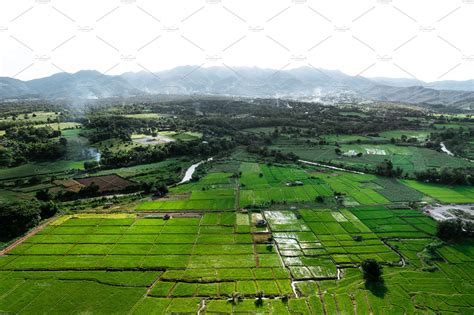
(326, 86)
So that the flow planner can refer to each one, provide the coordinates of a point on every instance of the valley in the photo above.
(217, 205)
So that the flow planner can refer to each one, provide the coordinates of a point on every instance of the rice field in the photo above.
(408, 158)
(444, 193)
(308, 252)
(124, 263)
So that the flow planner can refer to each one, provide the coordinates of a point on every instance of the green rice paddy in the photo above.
(305, 259)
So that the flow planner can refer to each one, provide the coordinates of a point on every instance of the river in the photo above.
(445, 150)
(190, 171)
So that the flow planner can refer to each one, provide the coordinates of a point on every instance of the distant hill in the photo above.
(304, 82)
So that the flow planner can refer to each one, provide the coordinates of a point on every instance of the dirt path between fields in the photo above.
(26, 236)
(237, 195)
(330, 167)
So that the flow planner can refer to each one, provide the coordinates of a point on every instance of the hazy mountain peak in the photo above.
(304, 82)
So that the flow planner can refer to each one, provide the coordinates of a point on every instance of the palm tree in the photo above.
(234, 297)
(285, 297)
(259, 295)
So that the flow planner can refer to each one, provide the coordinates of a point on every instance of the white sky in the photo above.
(428, 40)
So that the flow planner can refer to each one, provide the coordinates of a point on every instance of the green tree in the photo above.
(372, 270)
(18, 217)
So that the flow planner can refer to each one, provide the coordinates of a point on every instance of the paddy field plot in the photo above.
(408, 158)
(210, 255)
(86, 262)
(443, 193)
(264, 185)
(215, 191)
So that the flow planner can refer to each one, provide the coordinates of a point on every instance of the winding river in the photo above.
(445, 150)
(190, 171)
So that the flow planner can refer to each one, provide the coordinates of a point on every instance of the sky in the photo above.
(425, 40)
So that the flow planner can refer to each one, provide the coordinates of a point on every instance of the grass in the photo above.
(74, 159)
(443, 193)
(68, 265)
(215, 191)
(408, 158)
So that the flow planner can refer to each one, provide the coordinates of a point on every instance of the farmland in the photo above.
(408, 158)
(198, 261)
(255, 228)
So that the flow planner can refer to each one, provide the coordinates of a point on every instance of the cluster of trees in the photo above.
(386, 169)
(447, 175)
(18, 217)
(150, 154)
(20, 145)
(455, 230)
(454, 139)
(278, 156)
(121, 127)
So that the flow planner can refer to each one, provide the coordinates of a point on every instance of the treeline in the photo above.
(18, 217)
(454, 139)
(386, 169)
(121, 127)
(21, 145)
(455, 230)
(278, 156)
(151, 154)
(450, 176)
